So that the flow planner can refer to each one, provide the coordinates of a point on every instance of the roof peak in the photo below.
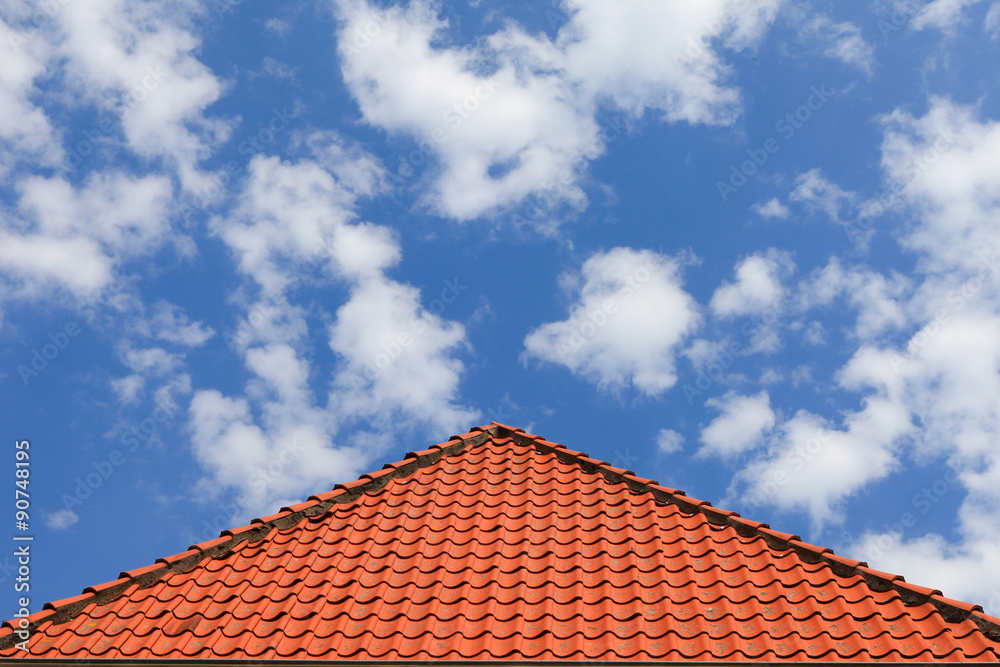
(64, 610)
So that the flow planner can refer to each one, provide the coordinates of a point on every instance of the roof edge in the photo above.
(953, 611)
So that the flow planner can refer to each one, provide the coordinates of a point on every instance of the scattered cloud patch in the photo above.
(61, 519)
(742, 422)
(772, 208)
(758, 285)
(669, 441)
(629, 316)
(513, 116)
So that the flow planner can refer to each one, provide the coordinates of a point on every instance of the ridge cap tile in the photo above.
(210, 544)
(160, 564)
(272, 517)
(921, 591)
(100, 588)
(563, 543)
(965, 606)
(304, 505)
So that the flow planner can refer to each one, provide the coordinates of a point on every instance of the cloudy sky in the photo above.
(749, 249)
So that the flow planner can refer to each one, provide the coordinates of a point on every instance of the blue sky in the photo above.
(750, 250)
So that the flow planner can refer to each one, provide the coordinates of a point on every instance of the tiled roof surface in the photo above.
(499, 545)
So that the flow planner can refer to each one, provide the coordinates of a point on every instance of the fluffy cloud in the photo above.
(669, 441)
(941, 165)
(757, 287)
(278, 462)
(992, 22)
(772, 208)
(292, 218)
(810, 466)
(630, 315)
(880, 301)
(928, 363)
(838, 40)
(667, 65)
(742, 422)
(61, 519)
(26, 134)
(513, 116)
(130, 70)
(136, 62)
(397, 359)
(71, 237)
(294, 225)
(941, 14)
(818, 193)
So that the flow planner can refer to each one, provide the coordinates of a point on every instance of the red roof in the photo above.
(499, 545)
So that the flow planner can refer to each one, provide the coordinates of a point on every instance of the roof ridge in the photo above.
(952, 611)
(62, 611)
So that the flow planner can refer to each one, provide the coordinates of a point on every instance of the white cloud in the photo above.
(742, 422)
(396, 369)
(61, 519)
(293, 216)
(669, 441)
(815, 333)
(665, 65)
(771, 209)
(757, 288)
(812, 467)
(278, 463)
(129, 388)
(397, 359)
(70, 237)
(169, 323)
(880, 302)
(817, 193)
(932, 395)
(136, 61)
(513, 116)
(992, 22)
(630, 315)
(153, 360)
(941, 14)
(841, 41)
(943, 166)
(26, 134)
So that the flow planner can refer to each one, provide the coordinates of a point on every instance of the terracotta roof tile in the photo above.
(499, 545)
